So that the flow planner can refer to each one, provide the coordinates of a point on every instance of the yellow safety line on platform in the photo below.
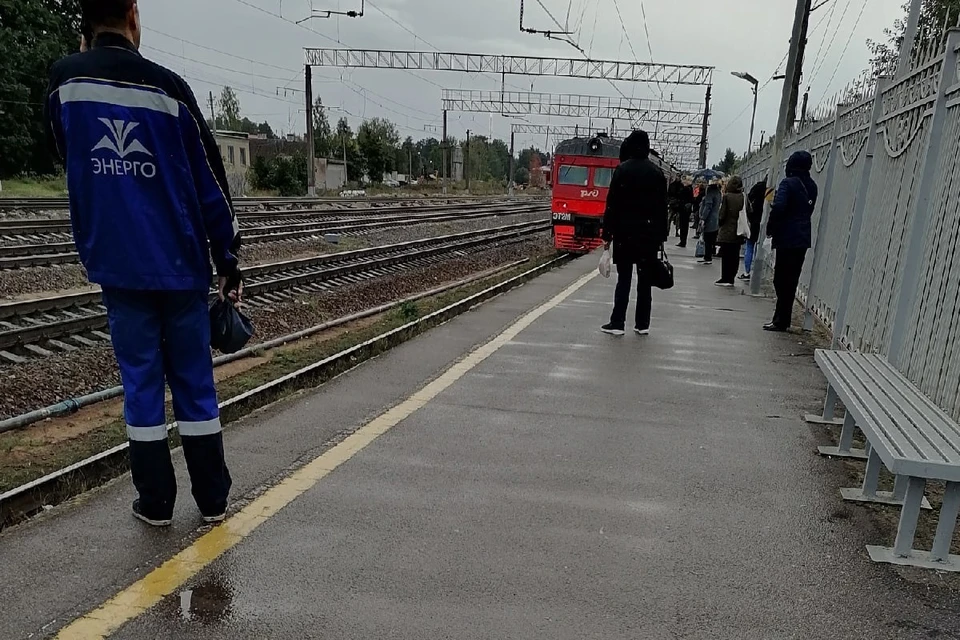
(174, 573)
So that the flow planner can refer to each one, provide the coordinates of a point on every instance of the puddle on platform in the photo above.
(207, 602)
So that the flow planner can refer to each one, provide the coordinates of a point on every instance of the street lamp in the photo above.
(753, 81)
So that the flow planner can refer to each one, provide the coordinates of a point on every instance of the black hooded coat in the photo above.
(792, 210)
(636, 218)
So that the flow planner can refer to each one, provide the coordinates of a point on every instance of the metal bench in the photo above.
(906, 432)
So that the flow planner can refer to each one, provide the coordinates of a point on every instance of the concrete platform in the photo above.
(567, 484)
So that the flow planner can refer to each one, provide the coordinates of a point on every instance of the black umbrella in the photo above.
(706, 175)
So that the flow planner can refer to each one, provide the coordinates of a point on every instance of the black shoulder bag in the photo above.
(661, 271)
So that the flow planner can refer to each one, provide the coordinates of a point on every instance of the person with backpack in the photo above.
(636, 222)
(149, 204)
(790, 228)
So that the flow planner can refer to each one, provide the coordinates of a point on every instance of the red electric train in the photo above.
(581, 174)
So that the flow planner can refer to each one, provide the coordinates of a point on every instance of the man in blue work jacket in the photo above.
(148, 191)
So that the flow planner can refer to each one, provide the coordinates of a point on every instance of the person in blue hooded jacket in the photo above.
(789, 227)
(149, 204)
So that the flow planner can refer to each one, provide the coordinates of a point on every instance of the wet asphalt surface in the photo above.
(572, 485)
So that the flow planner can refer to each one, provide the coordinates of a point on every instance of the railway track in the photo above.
(44, 326)
(51, 204)
(47, 242)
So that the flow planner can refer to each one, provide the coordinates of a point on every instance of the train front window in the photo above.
(602, 177)
(576, 176)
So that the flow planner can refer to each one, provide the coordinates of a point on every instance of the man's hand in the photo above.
(83, 44)
(231, 288)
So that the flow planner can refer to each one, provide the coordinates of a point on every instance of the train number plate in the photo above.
(563, 217)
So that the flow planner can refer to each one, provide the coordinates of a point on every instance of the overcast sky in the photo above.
(261, 54)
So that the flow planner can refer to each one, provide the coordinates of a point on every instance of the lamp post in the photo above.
(753, 81)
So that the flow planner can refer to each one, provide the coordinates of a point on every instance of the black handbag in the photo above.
(661, 271)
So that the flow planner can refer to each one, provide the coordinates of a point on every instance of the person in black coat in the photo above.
(790, 228)
(755, 199)
(637, 223)
(680, 199)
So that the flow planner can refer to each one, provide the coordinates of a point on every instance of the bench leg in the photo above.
(939, 557)
(947, 523)
(871, 475)
(900, 487)
(829, 407)
(868, 491)
(846, 442)
(907, 528)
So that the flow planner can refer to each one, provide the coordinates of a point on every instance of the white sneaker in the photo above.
(642, 332)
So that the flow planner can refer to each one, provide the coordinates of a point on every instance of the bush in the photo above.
(287, 175)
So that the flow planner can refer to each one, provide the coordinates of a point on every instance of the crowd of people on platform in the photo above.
(726, 220)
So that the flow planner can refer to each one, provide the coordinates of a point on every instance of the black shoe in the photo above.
(774, 327)
(153, 519)
(681, 244)
(641, 332)
(612, 329)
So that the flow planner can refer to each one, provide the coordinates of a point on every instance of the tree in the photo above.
(522, 175)
(229, 116)
(265, 129)
(428, 150)
(498, 160)
(728, 163)
(536, 173)
(884, 56)
(324, 144)
(347, 145)
(408, 158)
(378, 139)
(33, 35)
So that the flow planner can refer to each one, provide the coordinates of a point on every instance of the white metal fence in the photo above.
(884, 274)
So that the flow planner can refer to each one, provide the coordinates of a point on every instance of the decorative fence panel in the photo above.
(895, 285)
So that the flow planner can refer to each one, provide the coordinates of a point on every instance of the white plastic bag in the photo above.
(606, 263)
(743, 222)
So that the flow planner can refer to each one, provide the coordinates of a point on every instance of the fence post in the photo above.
(910, 284)
(859, 207)
(822, 224)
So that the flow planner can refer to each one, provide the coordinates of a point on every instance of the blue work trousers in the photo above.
(164, 337)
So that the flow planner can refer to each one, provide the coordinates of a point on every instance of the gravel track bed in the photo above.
(21, 282)
(291, 249)
(60, 277)
(39, 383)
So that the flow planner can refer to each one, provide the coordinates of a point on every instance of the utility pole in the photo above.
(346, 173)
(803, 108)
(512, 169)
(913, 23)
(311, 149)
(466, 162)
(797, 75)
(776, 158)
(213, 115)
(703, 137)
(443, 154)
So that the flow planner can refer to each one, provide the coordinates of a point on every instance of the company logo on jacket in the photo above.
(119, 141)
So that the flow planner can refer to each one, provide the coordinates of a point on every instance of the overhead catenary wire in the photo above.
(765, 84)
(299, 73)
(843, 53)
(823, 53)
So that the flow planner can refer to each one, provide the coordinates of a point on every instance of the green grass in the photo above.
(31, 187)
